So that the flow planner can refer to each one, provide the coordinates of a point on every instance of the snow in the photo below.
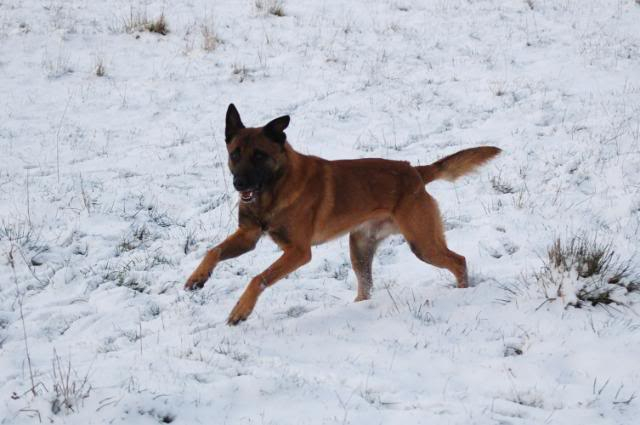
(115, 186)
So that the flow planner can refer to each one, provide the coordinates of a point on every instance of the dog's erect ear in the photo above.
(234, 123)
(275, 129)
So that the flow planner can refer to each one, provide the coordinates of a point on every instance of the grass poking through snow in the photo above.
(584, 270)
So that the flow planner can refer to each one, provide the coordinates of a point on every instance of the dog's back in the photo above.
(359, 190)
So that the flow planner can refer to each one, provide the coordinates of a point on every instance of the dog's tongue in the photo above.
(246, 195)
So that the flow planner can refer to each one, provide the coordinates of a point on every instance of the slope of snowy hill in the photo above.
(113, 184)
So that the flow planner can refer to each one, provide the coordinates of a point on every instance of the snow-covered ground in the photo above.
(112, 187)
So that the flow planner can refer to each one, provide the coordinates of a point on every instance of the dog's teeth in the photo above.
(247, 195)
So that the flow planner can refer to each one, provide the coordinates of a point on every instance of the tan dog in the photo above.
(301, 200)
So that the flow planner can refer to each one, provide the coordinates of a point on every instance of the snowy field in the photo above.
(113, 184)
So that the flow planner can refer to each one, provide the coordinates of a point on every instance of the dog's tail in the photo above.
(458, 164)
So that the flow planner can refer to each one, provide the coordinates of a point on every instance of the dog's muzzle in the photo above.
(247, 195)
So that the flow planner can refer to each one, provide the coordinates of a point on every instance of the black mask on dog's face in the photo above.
(256, 155)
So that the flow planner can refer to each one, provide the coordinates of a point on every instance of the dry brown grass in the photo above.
(138, 21)
(158, 26)
(210, 40)
(592, 266)
(270, 7)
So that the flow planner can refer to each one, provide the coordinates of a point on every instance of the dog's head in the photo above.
(256, 155)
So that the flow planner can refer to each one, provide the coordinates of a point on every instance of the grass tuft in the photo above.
(137, 237)
(270, 7)
(99, 68)
(138, 21)
(586, 271)
(159, 26)
(501, 186)
(69, 389)
(210, 39)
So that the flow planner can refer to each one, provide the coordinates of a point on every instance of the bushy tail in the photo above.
(458, 164)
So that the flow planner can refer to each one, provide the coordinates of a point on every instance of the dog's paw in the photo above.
(240, 312)
(242, 309)
(463, 283)
(196, 281)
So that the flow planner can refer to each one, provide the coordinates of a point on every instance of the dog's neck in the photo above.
(290, 181)
(292, 175)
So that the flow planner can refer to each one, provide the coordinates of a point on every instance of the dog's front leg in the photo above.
(243, 240)
(291, 259)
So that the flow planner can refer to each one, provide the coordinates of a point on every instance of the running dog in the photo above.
(302, 200)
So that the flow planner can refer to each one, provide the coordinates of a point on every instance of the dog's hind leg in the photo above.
(363, 242)
(362, 247)
(418, 219)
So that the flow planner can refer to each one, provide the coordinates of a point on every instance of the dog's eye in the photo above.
(235, 155)
(259, 156)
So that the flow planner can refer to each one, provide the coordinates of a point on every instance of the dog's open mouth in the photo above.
(247, 195)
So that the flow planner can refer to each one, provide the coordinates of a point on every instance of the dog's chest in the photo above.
(276, 229)
(279, 234)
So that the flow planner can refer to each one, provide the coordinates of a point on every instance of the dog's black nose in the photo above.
(240, 183)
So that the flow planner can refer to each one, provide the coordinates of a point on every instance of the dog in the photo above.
(302, 200)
